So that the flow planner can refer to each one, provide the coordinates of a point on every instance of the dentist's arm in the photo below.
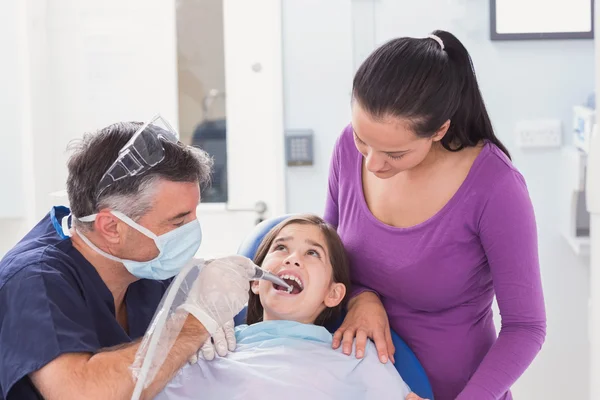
(107, 375)
(216, 296)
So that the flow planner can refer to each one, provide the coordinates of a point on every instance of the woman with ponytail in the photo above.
(436, 221)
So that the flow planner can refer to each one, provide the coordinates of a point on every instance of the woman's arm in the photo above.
(508, 235)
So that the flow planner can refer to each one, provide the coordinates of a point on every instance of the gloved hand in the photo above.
(220, 292)
(224, 341)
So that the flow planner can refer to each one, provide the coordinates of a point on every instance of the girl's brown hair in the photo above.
(337, 258)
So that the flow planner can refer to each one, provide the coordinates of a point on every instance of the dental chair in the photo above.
(407, 364)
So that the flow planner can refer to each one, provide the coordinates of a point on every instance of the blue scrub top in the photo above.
(52, 301)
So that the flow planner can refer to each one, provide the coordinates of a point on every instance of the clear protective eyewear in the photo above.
(143, 151)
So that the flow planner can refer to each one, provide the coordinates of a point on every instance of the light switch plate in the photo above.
(546, 133)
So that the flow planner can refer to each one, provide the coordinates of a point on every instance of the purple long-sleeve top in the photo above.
(437, 279)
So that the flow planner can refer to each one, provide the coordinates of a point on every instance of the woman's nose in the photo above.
(372, 162)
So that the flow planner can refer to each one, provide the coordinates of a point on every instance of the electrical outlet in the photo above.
(539, 133)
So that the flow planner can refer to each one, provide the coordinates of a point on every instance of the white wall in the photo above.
(594, 311)
(77, 66)
(72, 67)
(317, 80)
(519, 80)
(16, 197)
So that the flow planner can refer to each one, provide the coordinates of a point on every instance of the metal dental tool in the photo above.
(267, 276)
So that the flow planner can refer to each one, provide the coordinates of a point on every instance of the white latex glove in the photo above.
(220, 292)
(222, 342)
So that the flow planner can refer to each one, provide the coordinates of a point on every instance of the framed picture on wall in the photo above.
(541, 19)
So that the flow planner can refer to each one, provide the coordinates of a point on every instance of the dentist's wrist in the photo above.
(198, 319)
(194, 333)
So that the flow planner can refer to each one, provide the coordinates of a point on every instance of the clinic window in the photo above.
(541, 19)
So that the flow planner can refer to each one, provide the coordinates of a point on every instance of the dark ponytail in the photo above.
(419, 80)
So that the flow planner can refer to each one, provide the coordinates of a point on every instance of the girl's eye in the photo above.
(279, 247)
(313, 253)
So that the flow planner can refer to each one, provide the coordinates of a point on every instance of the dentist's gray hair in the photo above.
(133, 196)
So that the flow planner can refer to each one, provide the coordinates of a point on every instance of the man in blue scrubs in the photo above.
(70, 293)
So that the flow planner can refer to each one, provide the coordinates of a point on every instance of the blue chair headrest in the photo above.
(249, 247)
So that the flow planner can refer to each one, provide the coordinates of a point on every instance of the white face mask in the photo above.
(175, 248)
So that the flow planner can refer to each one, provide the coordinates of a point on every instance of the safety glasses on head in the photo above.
(143, 151)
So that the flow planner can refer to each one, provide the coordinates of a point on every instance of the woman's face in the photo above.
(300, 256)
(389, 146)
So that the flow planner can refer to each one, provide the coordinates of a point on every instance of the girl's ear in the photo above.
(254, 287)
(336, 295)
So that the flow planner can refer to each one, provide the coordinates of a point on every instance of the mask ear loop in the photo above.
(97, 249)
(135, 225)
(143, 230)
(64, 223)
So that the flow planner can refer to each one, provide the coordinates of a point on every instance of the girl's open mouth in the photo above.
(296, 284)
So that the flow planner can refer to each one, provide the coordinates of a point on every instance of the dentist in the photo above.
(75, 298)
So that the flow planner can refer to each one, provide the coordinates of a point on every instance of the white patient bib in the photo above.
(288, 360)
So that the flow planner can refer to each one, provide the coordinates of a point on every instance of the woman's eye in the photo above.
(357, 139)
(395, 157)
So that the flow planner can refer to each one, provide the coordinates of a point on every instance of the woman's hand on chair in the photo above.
(366, 318)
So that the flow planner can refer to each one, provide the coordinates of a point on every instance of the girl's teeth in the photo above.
(293, 278)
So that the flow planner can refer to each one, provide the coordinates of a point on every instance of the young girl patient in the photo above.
(284, 350)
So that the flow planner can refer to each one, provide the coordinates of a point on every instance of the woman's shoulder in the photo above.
(344, 145)
(495, 184)
(492, 166)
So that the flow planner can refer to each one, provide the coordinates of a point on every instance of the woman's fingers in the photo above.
(413, 396)
(390, 345)
(337, 337)
(361, 342)
(348, 339)
(381, 345)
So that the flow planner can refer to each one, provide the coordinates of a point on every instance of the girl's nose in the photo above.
(292, 260)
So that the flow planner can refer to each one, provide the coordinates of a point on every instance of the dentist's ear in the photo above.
(336, 295)
(254, 287)
(109, 227)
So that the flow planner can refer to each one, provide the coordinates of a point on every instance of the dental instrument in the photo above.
(261, 274)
